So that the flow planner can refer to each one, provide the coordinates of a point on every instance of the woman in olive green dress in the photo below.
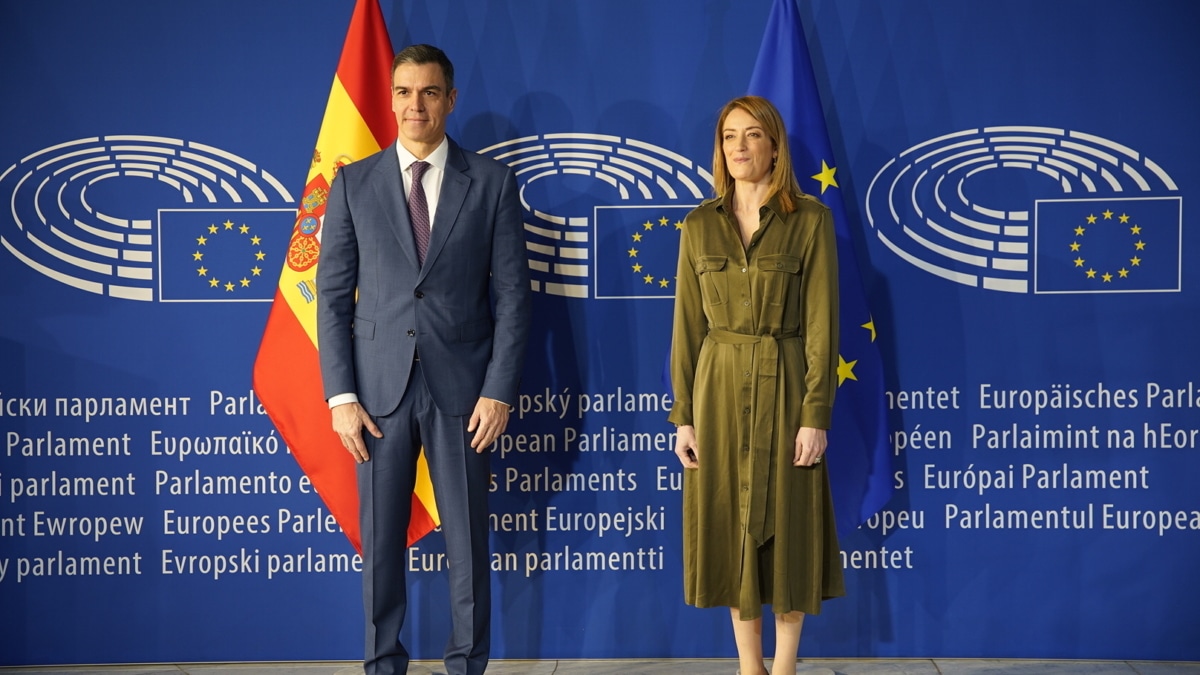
(754, 369)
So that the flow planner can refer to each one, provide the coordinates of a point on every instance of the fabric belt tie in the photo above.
(753, 503)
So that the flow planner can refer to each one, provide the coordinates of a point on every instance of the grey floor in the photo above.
(660, 667)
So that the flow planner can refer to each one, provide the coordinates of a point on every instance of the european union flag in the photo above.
(860, 468)
(1110, 245)
(637, 250)
(225, 255)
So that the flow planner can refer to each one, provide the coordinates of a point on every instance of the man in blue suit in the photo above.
(422, 318)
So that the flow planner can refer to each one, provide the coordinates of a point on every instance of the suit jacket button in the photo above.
(411, 332)
(419, 295)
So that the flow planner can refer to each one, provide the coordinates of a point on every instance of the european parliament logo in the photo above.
(221, 255)
(1023, 209)
(1108, 245)
(637, 250)
(603, 213)
(89, 213)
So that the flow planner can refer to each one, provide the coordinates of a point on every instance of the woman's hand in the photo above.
(810, 446)
(685, 446)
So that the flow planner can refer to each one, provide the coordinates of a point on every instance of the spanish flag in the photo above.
(287, 376)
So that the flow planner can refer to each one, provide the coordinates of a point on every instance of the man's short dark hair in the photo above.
(422, 54)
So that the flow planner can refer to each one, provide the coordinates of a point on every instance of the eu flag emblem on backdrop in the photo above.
(860, 469)
(221, 255)
(1108, 245)
(637, 250)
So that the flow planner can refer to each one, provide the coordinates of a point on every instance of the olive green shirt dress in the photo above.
(754, 358)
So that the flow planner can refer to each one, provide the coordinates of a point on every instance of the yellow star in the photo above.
(260, 255)
(632, 253)
(662, 222)
(197, 256)
(256, 271)
(663, 283)
(1091, 274)
(202, 240)
(229, 224)
(1079, 231)
(647, 225)
(1091, 220)
(1141, 245)
(244, 229)
(229, 286)
(845, 370)
(870, 325)
(202, 270)
(1135, 261)
(1136, 229)
(826, 177)
(245, 282)
(679, 224)
(648, 279)
(1079, 262)
(637, 268)
(1123, 272)
(256, 240)
(213, 282)
(1107, 214)
(212, 229)
(1106, 277)
(637, 236)
(1124, 218)
(1074, 246)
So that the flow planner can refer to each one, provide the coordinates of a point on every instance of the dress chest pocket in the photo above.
(780, 274)
(714, 286)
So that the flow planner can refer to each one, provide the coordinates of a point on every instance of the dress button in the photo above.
(779, 265)
(411, 332)
(746, 374)
(746, 411)
(745, 448)
(746, 303)
(743, 270)
(745, 487)
(419, 295)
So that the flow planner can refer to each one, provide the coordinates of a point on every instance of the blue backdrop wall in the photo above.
(1015, 175)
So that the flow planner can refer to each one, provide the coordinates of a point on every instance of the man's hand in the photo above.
(349, 419)
(488, 421)
(685, 446)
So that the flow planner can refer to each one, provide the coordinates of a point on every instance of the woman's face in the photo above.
(749, 152)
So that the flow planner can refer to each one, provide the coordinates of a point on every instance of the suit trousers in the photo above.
(461, 480)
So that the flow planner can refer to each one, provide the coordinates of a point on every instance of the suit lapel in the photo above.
(389, 191)
(455, 183)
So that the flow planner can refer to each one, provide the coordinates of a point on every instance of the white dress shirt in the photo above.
(432, 180)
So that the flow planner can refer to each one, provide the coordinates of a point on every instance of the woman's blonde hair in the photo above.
(783, 177)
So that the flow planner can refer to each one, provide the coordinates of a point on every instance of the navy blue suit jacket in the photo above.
(466, 310)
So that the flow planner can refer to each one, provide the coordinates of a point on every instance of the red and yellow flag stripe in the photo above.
(287, 376)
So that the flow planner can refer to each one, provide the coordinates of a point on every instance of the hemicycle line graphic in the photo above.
(560, 245)
(70, 205)
(935, 205)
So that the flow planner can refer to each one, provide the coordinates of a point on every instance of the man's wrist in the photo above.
(506, 405)
(342, 399)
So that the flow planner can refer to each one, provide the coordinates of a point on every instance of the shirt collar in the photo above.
(724, 204)
(437, 158)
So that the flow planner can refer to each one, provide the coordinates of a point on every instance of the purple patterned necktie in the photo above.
(418, 210)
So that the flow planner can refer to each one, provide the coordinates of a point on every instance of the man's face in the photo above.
(421, 103)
